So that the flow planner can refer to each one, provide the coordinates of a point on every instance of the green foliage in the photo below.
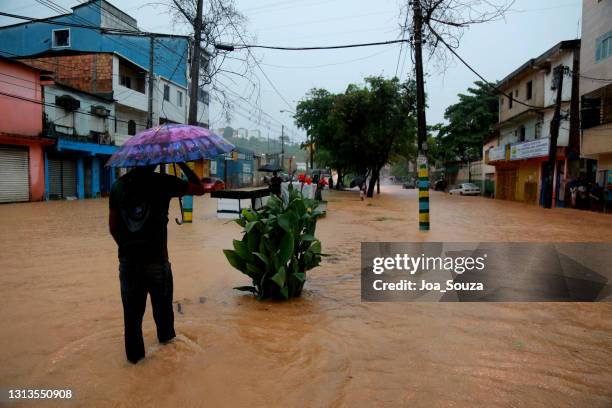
(362, 129)
(471, 121)
(278, 246)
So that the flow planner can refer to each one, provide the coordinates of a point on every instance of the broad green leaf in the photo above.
(284, 221)
(249, 215)
(242, 250)
(252, 239)
(307, 237)
(234, 259)
(253, 271)
(285, 292)
(315, 247)
(280, 277)
(249, 226)
(262, 258)
(251, 289)
(301, 276)
(285, 250)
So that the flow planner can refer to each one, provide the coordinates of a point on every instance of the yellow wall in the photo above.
(528, 171)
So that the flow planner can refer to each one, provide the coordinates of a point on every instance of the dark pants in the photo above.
(137, 279)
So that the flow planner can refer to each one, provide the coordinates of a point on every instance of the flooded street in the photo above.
(62, 325)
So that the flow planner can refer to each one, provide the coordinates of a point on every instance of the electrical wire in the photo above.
(491, 85)
(327, 47)
(23, 98)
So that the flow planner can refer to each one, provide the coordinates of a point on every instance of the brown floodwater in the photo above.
(62, 327)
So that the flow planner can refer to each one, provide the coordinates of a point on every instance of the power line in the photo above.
(510, 96)
(127, 43)
(257, 63)
(23, 98)
(327, 47)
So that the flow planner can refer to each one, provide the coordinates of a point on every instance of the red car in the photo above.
(212, 184)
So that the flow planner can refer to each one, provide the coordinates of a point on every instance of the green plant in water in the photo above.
(278, 246)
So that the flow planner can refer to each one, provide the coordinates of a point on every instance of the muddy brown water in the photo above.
(61, 317)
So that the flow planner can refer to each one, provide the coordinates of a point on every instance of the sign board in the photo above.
(497, 153)
(526, 150)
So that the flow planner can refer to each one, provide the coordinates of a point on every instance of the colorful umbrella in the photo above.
(169, 144)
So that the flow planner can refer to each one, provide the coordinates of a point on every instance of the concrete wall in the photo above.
(550, 95)
(20, 116)
(170, 109)
(81, 120)
(520, 85)
(596, 21)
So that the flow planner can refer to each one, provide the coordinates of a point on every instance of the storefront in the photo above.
(75, 170)
(21, 168)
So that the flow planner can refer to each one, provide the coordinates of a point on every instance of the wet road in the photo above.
(60, 310)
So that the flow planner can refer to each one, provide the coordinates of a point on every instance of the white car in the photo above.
(465, 189)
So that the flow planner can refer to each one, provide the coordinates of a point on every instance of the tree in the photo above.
(360, 130)
(222, 22)
(470, 121)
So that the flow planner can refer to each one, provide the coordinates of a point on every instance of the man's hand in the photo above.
(195, 186)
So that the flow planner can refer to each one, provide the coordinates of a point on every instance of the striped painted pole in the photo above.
(187, 209)
(423, 193)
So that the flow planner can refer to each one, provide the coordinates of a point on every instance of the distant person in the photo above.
(275, 184)
(138, 219)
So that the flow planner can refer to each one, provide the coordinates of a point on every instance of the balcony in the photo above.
(54, 131)
(596, 122)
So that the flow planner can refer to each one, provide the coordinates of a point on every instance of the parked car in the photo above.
(465, 189)
(212, 184)
(409, 184)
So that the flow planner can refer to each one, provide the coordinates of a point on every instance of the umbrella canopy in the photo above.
(169, 144)
(271, 168)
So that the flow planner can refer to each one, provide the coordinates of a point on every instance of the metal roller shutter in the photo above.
(14, 175)
(62, 178)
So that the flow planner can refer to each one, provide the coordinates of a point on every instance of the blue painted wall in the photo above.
(35, 38)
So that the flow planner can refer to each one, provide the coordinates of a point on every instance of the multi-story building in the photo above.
(596, 90)
(526, 109)
(99, 51)
(22, 176)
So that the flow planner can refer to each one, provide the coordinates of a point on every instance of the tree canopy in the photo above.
(470, 122)
(360, 130)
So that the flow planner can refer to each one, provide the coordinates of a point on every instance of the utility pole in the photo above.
(311, 152)
(559, 72)
(421, 124)
(151, 79)
(282, 160)
(194, 69)
(194, 73)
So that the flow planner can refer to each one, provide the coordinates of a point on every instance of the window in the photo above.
(603, 47)
(126, 81)
(131, 128)
(179, 98)
(166, 93)
(510, 99)
(61, 38)
(203, 96)
(522, 134)
(529, 90)
(516, 93)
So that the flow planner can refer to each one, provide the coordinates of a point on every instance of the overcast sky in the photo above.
(494, 49)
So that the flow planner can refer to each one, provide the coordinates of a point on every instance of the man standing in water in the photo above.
(138, 220)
